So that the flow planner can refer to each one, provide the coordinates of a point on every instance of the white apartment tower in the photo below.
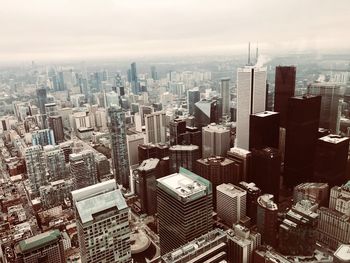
(156, 127)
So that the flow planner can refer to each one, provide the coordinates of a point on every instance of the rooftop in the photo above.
(39, 241)
(184, 147)
(343, 253)
(266, 113)
(266, 201)
(148, 164)
(335, 139)
(230, 189)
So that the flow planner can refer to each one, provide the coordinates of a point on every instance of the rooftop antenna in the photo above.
(248, 53)
(257, 52)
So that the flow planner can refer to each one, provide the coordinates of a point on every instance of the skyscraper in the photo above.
(83, 169)
(267, 219)
(315, 192)
(133, 78)
(55, 162)
(56, 125)
(120, 161)
(156, 127)
(253, 192)
(206, 112)
(264, 130)
(301, 139)
(284, 89)
(251, 98)
(215, 140)
(184, 206)
(225, 94)
(42, 99)
(43, 137)
(243, 159)
(193, 96)
(330, 114)
(183, 156)
(331, 160)
(102, 223)
(154, 74)
(231, 203)
(36, 169)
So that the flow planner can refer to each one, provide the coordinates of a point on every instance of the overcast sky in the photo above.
(93, 29)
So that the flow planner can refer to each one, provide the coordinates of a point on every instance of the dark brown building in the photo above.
(253, 192)
(150, 150)
(183, 156)
(56, 124)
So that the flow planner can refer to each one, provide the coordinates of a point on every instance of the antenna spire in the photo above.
(257, 52)
(248, 53)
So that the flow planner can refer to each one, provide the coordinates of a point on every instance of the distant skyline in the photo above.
(81, 30)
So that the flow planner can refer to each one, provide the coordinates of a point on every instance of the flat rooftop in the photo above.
(148, 164)
(185, 185)
(265, 113)
(230, 190)
(343, 253)
(39, 241)
(334, 139)
(184, 147)
(266, 201)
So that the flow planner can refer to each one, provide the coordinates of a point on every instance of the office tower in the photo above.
(67, 148)
(242, 158)
(225, 94)
(35, 163)
(183, 155)
(147, 151)
(217, 170)
(103, 167)
(215, 140)
(156, 127)
(176, 128)
(316, 192)
(264, 130)
(83, 168)
(111, 99)
(330, 114)
(266, 170)
(184, 207)
(301, 138)
(210, 247)
(133, 79)
(331, 160)
(56, 125)
(102, 223)
(297, 233)
(267, 219)
(55, 162)
(284, 89)
(193, 96)
(44, 247)
(51, 109)
(42, 99)
(56, 193)
(342, 255)
(154, 74)
(133, 141)
(339, 199)
(231, 203)
(43, 137)
(241, 244)
(120, 161)
(146, 187)
(205, 112)
(251, 98)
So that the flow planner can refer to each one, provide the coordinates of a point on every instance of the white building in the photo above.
(156, 127)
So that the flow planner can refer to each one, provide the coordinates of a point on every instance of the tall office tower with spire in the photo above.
(55, 162)
(102, 223)
(225, 94)
(251, 98)
(120, 160)
(301, 138)
(331, 160)
(267, 219)
(83, 169)
(133, 78)
(156, 127)
(36, 170)
(193, 96)
(284, 89)
(56, 125)
(330, 113)
(184, 206)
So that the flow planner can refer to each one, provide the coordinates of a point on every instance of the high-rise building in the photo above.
(217, 170)
(193, 96)
(242, 158)
(42, 99)
(339, 199)
(56, 193)
(297, 233)
(83, 169)
(67, 148)
(267, 219)
(251, 98)
(301, 139)
(146, 186)
(102, 223)
(156, 127)
(133, 142)
(55, 162)
(225, 94)
(51, 109)
(176, 128)
(56, 125)
(215, 140)
(120, 160)
(266, 170)
(147, 151)
(154, 74)
(184, 207)
(206, 112)
(315, 192)
(284, 89)
(241, 244)
(330, 114)
(183, 156)
(43, 137)
(36, 170)
(103, 167)
(264, 130)
(134, 79)
(331, 160)
(231, 203)
(253, 193)
(44, 247)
